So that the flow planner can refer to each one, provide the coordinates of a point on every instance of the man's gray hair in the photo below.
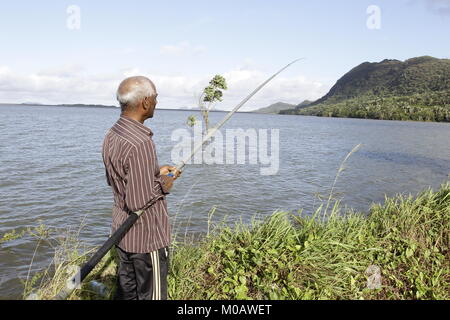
(134, 89)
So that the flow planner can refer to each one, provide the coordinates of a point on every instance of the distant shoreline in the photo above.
(98, 106)
(197, 110)
(58, 105)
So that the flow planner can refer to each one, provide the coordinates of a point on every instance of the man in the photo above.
(138, 183)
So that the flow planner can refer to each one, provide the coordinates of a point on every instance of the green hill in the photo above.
(275, 108)
(281, 106)
(304, 104)
(416, 89)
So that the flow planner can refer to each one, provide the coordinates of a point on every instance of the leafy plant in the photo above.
(211, 95)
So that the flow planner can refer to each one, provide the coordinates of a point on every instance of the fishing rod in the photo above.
(213, 131)
(117, 236)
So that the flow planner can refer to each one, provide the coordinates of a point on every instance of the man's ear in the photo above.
(145, 103)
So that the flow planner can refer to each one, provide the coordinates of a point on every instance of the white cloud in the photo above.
(55, 86)
(66, 85)
(285, 89)
(132, 72)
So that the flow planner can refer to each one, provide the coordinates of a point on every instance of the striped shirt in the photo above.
(132, 171)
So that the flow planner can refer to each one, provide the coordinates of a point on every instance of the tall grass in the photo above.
(296, 256)
(69, 254)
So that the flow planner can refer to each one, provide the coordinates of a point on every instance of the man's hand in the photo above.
(165, 170)
(167, 183)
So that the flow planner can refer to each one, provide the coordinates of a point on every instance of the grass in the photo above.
(298, 257)
(398, 250)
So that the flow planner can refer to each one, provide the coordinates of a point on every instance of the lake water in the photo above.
(51, 172)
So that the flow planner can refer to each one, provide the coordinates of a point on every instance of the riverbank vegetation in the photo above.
(398, 250)
(418, 107)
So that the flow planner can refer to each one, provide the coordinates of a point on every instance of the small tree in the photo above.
(210, 96)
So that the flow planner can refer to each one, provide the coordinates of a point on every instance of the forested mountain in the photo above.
(416, 89)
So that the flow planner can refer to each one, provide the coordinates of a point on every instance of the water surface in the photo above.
(51, 172)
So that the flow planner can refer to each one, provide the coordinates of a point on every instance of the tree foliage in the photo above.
(213, 92)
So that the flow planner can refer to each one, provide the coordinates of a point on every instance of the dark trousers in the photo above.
(142, 276)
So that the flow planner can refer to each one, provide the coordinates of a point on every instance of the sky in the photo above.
(78, 51)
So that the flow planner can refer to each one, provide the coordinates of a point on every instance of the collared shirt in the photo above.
(132, 171)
